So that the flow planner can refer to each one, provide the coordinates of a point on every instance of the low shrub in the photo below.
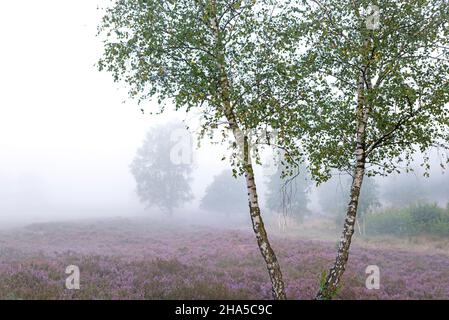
(419, 219)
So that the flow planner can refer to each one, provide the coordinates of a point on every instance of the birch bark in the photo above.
(330, 286)
(272, 264)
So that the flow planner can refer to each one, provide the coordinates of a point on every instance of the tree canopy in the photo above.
(404, 68)
(381, 91)
(162, 180)
(226, 195)
(343, 91)
(228, 60)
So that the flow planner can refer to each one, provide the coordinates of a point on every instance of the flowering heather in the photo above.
(127, 259)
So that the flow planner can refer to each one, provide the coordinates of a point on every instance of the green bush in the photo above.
(423, 218)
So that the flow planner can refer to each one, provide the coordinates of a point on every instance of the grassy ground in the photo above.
(144, 259)
(322, 229)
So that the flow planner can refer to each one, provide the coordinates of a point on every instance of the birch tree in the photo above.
(377, 75)
(224, 59)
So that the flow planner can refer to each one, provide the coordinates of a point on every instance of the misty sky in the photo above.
(66, 137)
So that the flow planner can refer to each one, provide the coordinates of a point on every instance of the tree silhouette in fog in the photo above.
(161, 171)
(226, 195)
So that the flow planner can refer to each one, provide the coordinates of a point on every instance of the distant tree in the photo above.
(289, 194)
(332, 196)
(369, 201)
(333, 199)
(162, 177)
(226, 194)
(228, 61)
(404, 191)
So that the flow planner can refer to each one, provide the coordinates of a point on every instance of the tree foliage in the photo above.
(404, 64)
(160, 181)
(169, 51)
(380, 93)
(228, 60)
(226, 195)
(344, 94)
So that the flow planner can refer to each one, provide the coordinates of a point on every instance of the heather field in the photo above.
(143, 259)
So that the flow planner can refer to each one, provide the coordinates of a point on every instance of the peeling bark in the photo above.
(273, 267)
(266, 250)
(330, 287)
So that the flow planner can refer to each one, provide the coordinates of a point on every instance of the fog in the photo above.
(68, 133)
(66, 136)
(91, 181)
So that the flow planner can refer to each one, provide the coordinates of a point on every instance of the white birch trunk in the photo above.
(272, 264)
(330, 287)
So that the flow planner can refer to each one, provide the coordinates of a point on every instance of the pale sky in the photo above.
(63, 124)
(64, 129)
